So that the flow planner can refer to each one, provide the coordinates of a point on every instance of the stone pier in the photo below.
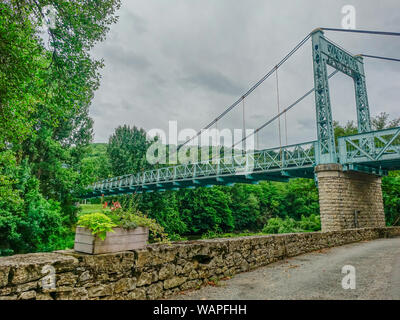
(349, 199)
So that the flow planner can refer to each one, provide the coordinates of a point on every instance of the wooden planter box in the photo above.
(119, 240)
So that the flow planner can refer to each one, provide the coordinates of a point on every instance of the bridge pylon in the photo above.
(349, 199)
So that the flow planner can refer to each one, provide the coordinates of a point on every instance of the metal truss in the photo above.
(376, 149)
(277, 164)
(326, 53)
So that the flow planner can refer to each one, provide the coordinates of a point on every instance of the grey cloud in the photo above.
(188, 60)
(135, 22)
(123, 58)
(213, 81)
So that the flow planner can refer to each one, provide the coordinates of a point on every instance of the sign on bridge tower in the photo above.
(327, 53)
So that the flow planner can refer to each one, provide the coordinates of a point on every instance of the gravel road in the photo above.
(317, 275)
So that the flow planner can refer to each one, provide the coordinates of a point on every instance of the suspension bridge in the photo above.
(370, 153)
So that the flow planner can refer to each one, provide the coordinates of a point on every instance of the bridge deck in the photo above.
(373, 152)
(276, 164)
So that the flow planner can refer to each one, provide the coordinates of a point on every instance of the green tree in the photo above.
(382, 121)
(45, 93)
(28, 222)
(340, 131)
(164, 207)
(127, 149)
(245, 206)
(301, 198)
(391, 197)
(205, 209)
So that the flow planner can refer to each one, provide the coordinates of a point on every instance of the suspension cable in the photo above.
(244, 128)
(277, 101)
(217, 151)
(378, 57)
(286, 135)
(216, 133)
(384, 33)
(258, 142)
(283, 111)
(266, 76)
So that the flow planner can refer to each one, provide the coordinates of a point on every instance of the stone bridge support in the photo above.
(349, 199)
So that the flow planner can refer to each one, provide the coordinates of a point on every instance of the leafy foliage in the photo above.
(28, 222)
(127, 150)
(391, 198)
(45, 91)
(130, 217)
(165, 209)
(288, 225)
(98, 222)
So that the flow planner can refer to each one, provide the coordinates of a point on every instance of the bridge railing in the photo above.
(370, 146)
(274, 159)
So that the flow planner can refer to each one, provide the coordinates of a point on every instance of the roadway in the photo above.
(317, 275)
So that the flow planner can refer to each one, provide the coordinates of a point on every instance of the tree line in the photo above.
(269, 206)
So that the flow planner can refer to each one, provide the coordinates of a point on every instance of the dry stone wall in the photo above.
(159, 270)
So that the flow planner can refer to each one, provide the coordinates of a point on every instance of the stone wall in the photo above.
(159, 270)
(349, 199)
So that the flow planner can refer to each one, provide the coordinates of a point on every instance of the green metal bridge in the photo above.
(373, 152)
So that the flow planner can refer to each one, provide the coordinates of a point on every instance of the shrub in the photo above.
(279, 225)
(289, 225)
(311, 223)
(28, 221)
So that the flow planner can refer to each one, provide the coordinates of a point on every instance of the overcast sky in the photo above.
(188, 60)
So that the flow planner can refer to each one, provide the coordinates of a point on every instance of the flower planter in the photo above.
(119, 240)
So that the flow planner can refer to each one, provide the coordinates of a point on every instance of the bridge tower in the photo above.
(348, 199)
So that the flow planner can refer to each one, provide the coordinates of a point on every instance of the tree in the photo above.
(301, 198)
(21, 62)
(127, 149)
(245, 206)
(28, 222)
(206, 209)
(164, 207)
(45, 93)
(340, 131)
(381, 121)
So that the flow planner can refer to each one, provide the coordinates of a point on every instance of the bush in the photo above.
(28, 221)
(176, 237)
(279, 225)
(289, 225)
(311, 223)
(391, 198)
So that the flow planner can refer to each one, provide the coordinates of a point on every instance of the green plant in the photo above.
(131, 218)
(176, 237)
(98, 222)
(209, 235)
(289, 225)
(311, 223)
(278, 225)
